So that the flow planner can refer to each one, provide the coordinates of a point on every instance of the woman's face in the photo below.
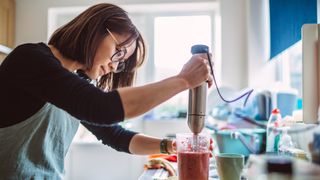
(102, 63)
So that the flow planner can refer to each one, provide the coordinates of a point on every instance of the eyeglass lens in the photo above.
(121, 66)
(119, 55)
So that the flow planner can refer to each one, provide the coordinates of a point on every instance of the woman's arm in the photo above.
(145, 145)
(43, 79)
(114, 136)
(138, 100)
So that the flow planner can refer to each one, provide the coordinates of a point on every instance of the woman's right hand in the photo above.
(196, 71)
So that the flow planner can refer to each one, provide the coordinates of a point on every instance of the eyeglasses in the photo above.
(118, 56)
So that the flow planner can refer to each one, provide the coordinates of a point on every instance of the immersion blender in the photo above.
(197, 98)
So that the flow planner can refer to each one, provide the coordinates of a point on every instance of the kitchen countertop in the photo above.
(161, 174)
(302, 169)
(254, 168)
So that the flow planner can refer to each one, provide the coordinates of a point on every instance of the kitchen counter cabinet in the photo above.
(153, 174)
(7, 21)
(302, 169)
(99, 162)
(7, 25)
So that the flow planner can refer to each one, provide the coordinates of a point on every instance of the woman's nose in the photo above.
(113, 66)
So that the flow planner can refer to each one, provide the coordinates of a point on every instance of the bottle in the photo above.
(285, 142)
(273, 134)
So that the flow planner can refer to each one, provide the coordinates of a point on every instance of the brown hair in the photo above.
(79, 39)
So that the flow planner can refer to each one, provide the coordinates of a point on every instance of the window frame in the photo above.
(146, 74)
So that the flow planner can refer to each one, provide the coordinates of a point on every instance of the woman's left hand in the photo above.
(174, 146)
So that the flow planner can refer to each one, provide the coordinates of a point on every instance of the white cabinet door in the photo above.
(99, 162)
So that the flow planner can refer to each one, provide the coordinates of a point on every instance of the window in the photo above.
(173, 38)
(290, 67)
(286, 20)
(295, 67)
(170, 33)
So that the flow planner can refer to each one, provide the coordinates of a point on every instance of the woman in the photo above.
(43, 99)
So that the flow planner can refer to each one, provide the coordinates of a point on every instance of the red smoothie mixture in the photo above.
(193, 165)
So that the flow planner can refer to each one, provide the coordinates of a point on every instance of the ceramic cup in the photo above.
(229, 166)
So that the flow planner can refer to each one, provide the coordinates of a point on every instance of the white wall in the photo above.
(261, 71)
(233, 43)
(93, 161)
(245, 44)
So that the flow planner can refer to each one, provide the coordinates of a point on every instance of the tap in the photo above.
(253, 146)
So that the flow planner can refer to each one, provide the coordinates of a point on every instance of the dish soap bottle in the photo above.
(273, 134)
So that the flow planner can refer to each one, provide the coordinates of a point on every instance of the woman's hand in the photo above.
(174, 147)
(196, 71)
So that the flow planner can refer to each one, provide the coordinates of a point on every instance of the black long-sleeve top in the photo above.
(30, 76)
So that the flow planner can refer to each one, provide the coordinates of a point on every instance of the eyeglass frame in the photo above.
(120, 61)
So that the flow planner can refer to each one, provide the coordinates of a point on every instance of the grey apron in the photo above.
(36, 147)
